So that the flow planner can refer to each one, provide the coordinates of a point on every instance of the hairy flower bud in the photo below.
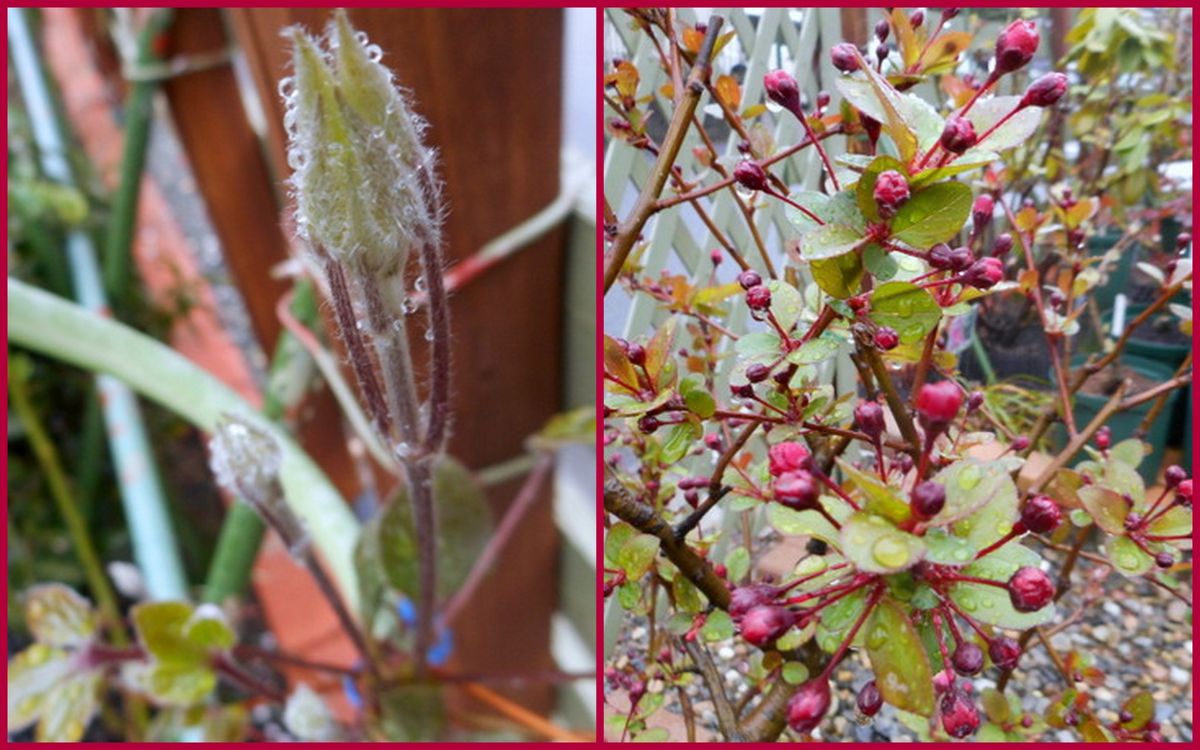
(363, 181)
(1045, 91)
(1016, 45)
(245, 459)
(958, 135)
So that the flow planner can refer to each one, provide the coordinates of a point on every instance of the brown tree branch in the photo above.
(628, 230)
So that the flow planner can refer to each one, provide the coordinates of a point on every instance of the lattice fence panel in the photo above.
(677, 240)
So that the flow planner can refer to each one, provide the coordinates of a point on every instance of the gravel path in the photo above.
(1139, 636)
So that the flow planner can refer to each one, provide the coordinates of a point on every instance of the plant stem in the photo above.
(1079, 440)
(726, 717)
(60, 490)
(715, 489)
(526, 497)
(439, 359)
(892, 396)
(628, 230)
(139, 115)
(242, 530)
(330, 592)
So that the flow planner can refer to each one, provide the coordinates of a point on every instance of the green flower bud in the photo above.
(364, 183)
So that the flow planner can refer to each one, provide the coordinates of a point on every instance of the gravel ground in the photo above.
(1139, 636)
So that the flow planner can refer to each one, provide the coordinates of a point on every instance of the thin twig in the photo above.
(726, 718)
(526, 497)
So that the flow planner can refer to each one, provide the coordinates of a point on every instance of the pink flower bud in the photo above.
(891, 192)
(1015, 46)
(982, 210)
(938, 403)
(1045, 91)
(785, 457)
(750, 175)
(844, 58)
(807, 707)
(782, 89)
(984, 273)
(958, 135)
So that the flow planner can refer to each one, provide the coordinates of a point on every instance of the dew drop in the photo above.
(969, 477)
(429, 334)
(420, 283)
(890, 552)
(409, 306)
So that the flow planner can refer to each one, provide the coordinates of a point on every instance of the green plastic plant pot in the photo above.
(1125, 423)
(1169, 354)
(1118, 279)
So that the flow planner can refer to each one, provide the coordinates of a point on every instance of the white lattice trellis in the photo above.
(677, 240)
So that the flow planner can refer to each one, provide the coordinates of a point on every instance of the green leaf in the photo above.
(871, 93)
(838, 277)
(837, 618)
(718, 626)
(679, 440)
(839, 208)
(971, 160)
(1129, 452)
(970, 485)
(463, 524)
(816, 350)
(1127, 557)
(1014, 132)
(637, 555)
(879, 262)
(881, 499)
(786, 303)
(208, 629)
(697, 398)
(905, 307)
(32, 674)
(829, 241)
(995, 705)
(999, 512)
(653, 734)
(864, 190)
(933, 214)
(876, 546)
(946, 549)
(898, 659)
(737, 563)
(802, 523)
(58, 616)
(615, 538)
(761, 345)
(70, 709)
(1176, 521)
(794, 673)
(1107, 508)
(161, 629)
(173, 683)
(1125, 480)
(410, 713)
(1141, 709)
